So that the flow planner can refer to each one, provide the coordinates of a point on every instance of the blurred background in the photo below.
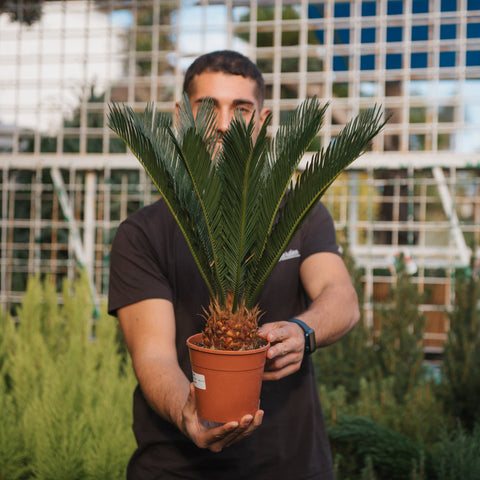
(66, 181)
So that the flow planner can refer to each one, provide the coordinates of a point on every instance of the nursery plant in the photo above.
(237, 204)
(64, 388)
(460, 385)
(399, 345)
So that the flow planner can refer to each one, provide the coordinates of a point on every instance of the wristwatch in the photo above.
(310, 345)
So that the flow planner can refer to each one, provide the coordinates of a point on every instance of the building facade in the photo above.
(66, 181)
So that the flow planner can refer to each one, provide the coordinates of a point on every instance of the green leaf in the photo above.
(235, 201)
(312, 183)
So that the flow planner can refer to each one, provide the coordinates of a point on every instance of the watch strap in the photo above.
(310, 344)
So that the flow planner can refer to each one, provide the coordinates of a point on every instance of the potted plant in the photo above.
(238, 208)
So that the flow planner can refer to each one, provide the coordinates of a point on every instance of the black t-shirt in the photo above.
(150, 259)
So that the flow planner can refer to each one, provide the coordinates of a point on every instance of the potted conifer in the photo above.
(238, 208)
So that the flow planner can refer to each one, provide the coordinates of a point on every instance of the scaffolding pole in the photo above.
(83, 261)
(448, 207)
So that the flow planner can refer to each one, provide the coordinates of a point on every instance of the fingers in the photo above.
(285, 355)
(277, 373)
(285, 337)
(214, 436)
(223, 436)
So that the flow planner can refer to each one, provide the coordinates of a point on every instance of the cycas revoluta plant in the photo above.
(236, 205)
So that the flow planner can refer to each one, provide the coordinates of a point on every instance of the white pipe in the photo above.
(89, 222)
(448, 207)
(78, 248)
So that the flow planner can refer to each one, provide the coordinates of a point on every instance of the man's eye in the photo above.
(244, 110)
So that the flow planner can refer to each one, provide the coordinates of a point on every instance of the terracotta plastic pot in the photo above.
(227, 384)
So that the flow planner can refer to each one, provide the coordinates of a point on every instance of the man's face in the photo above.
(230, 94)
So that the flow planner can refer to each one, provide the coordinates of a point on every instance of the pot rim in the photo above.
(192, 344)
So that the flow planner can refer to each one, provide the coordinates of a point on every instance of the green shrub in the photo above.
(352, 358)
(366, 449)
(419, 415)
(457, 456)
(68, 393)
(399, 348)
(376, 396)
(460, 386)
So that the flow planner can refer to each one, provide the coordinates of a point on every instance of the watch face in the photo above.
(310, 342)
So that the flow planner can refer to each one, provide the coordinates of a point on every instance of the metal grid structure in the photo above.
(66, 181)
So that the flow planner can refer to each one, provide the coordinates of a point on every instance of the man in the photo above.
(158, 295)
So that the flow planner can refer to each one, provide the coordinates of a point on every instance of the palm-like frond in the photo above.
(236, 205)
(166, 160)
(310, 186)
(283, 157)
(241, 167)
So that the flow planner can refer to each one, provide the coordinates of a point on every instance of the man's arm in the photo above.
(332, 313)
(149, 330)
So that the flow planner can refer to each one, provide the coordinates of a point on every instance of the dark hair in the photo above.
(225, 61)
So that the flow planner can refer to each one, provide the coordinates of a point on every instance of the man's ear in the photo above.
(264, 114)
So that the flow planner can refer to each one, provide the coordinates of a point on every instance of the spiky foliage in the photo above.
(392, 455)
(460, 386)
(236, 205)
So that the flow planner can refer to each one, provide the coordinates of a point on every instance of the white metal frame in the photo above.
(430, 145)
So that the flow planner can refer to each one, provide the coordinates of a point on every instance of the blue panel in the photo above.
(419, 33)
(448, 5)
(473, 30)
(394, 7)
(473, 5)
(394, 34)
(419, 60)
(316, 10)
(340, 63)
(341, 9)
(369, 9)
(420, 6)
(448, 32)
(368, 35)
(320, 36)
(393, 61)
(473, 58)
(367, 62)
(341, 36)
(447, 59)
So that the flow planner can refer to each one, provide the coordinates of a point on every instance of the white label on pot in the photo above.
(199, 381)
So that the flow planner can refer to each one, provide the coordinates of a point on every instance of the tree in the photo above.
(460, 386)
(352, 358)
(23, 11)
(399, 343)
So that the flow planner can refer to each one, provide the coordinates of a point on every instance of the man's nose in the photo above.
(223, 120)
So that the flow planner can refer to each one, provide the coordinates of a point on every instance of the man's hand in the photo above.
(285, 355)
(333, 311)
(215, 437)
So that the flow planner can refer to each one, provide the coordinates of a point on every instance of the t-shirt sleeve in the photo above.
(136, 269)
(318, 234)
